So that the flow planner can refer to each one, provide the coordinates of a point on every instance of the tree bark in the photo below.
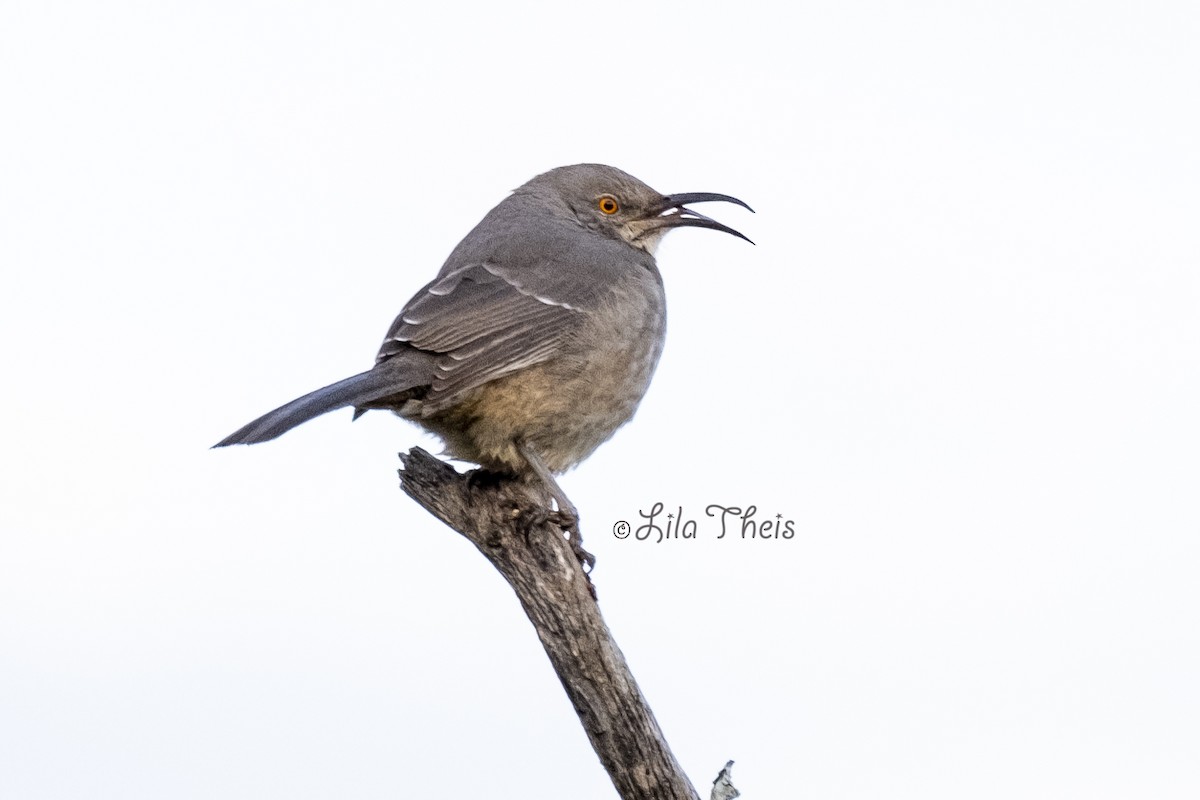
(520, 539)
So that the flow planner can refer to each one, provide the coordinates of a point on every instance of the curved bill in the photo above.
(704, 197)
(674, 215)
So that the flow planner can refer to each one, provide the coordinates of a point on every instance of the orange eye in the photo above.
(608, 205)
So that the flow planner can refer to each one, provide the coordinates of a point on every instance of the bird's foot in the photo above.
(566, 517)
(569, 522)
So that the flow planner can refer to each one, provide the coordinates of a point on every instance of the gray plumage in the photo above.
(538, 337)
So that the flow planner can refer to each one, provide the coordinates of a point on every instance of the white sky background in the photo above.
(964, 359)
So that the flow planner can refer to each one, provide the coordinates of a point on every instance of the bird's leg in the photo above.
(568, 515)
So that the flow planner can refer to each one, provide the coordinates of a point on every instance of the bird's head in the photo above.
(613, 202)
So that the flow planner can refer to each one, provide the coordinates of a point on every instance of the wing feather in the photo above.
(482, 326)
(508, 298)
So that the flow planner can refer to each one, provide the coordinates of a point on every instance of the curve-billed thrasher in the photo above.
(539, 336)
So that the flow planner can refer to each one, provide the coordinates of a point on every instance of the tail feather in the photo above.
(352, 391)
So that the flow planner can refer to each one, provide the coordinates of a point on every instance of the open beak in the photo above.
(671, 212)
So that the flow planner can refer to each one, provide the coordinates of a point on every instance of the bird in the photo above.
(538, 337)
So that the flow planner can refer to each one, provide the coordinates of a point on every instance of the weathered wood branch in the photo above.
(501, 519)
(723, 788)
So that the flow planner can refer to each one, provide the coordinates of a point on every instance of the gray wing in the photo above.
(481, 326)
(512, 293)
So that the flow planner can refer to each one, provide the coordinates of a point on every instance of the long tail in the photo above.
(352, 391)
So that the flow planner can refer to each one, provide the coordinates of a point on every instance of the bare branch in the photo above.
(723, 785)
(520, 540)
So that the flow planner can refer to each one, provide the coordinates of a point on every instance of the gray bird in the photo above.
(539, 336)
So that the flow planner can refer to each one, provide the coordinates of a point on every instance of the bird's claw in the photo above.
(570, 524)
